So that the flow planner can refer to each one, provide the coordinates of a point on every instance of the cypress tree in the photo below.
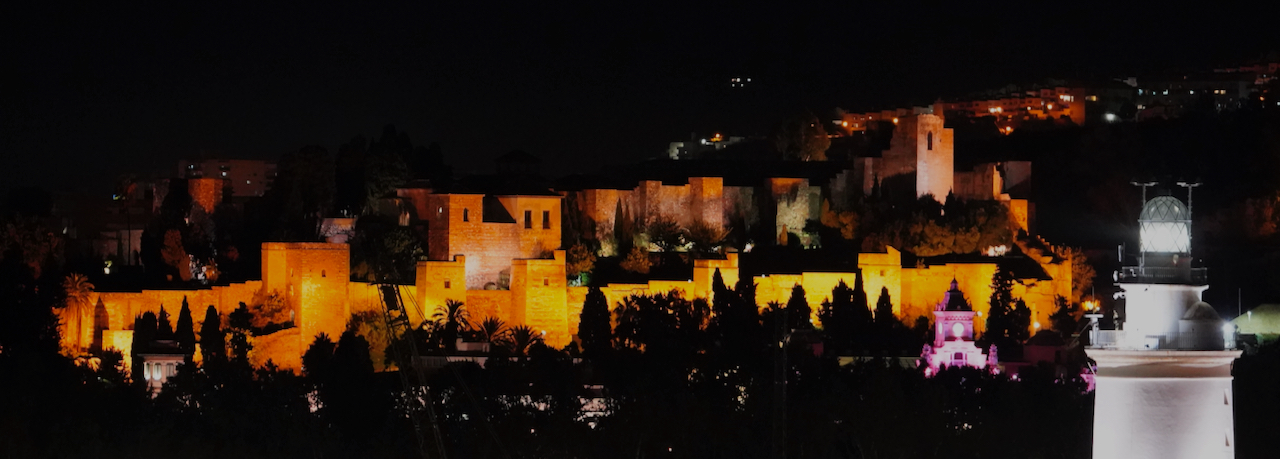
(720, 300)
(352, 401)
(164, 328)
(594, 327)
(798, 311)
(884, 309)
(744, 302)
(622, 236)
(861, 311)
(213, 344)
(1000, 311)
(185, 334)
(317, 362)
(1020, 319)
(840, 316)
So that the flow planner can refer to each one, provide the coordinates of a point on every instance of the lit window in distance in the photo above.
(957, 330)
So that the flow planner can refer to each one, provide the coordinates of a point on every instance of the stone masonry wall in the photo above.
(490, 303)
(539, 297)
(535, 238)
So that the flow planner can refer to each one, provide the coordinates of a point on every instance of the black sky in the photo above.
(97, 90)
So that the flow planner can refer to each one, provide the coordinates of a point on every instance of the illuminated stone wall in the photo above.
(574, 299)
(921, 145)
(795, 203)
(882, 270)
(438, 282)
(739, 206)
(537, 226)
(924, 287)
(704, 271)
(817, 288)
(935, 162)
(120, 340)
(364, 297)
(706, 203)
(539, 296)
(490, 303)
(702, 199)
(983, 183)
(283, 348)
(123, 307)
(600, 205)
(456, 227)
(314, 274)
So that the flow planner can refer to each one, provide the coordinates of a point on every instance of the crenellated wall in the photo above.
(315, 279)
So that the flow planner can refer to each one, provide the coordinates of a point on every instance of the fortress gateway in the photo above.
(1164, 380)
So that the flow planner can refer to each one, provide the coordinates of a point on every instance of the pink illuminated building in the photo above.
(953, 336)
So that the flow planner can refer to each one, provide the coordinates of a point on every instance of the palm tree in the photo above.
(77, 289)
(493, 329)
(522, 338)
(454, 319)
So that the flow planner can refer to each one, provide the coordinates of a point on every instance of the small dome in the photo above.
(1165, 226)
(1164, 209)
(1201, 311)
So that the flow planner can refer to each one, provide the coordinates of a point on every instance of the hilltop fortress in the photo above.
(498, 249)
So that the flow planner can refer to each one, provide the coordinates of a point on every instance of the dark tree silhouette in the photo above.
(799, 314)
(1008, 319)
(240, 325)
(144, 332)
(845, 318)
(164, 328)
(301, 194)
(213, 344)
(317, 362)
(884, 309)
(1063, 319)
(594, 327)
(185, 333)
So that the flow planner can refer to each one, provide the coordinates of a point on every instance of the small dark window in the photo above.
(930, 136)
(546, 219)
(446, 283)
(546, 281)
(466, 215)
(528, 219)
(321, 273)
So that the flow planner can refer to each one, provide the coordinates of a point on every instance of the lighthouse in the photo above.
(1164, 379)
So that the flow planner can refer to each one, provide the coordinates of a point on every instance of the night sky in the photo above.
(94, 91)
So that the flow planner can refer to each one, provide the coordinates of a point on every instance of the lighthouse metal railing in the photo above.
(1119, 339)
(1160, 275)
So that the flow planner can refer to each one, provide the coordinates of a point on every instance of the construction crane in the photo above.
(412, 379)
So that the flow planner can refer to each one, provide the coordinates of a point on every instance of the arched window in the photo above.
(322, 273)
(930, 140)
(466, 215)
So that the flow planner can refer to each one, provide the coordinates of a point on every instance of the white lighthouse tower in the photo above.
(1164, 380)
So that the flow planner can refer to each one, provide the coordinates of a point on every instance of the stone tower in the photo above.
(1164, 380)
(921, 145)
